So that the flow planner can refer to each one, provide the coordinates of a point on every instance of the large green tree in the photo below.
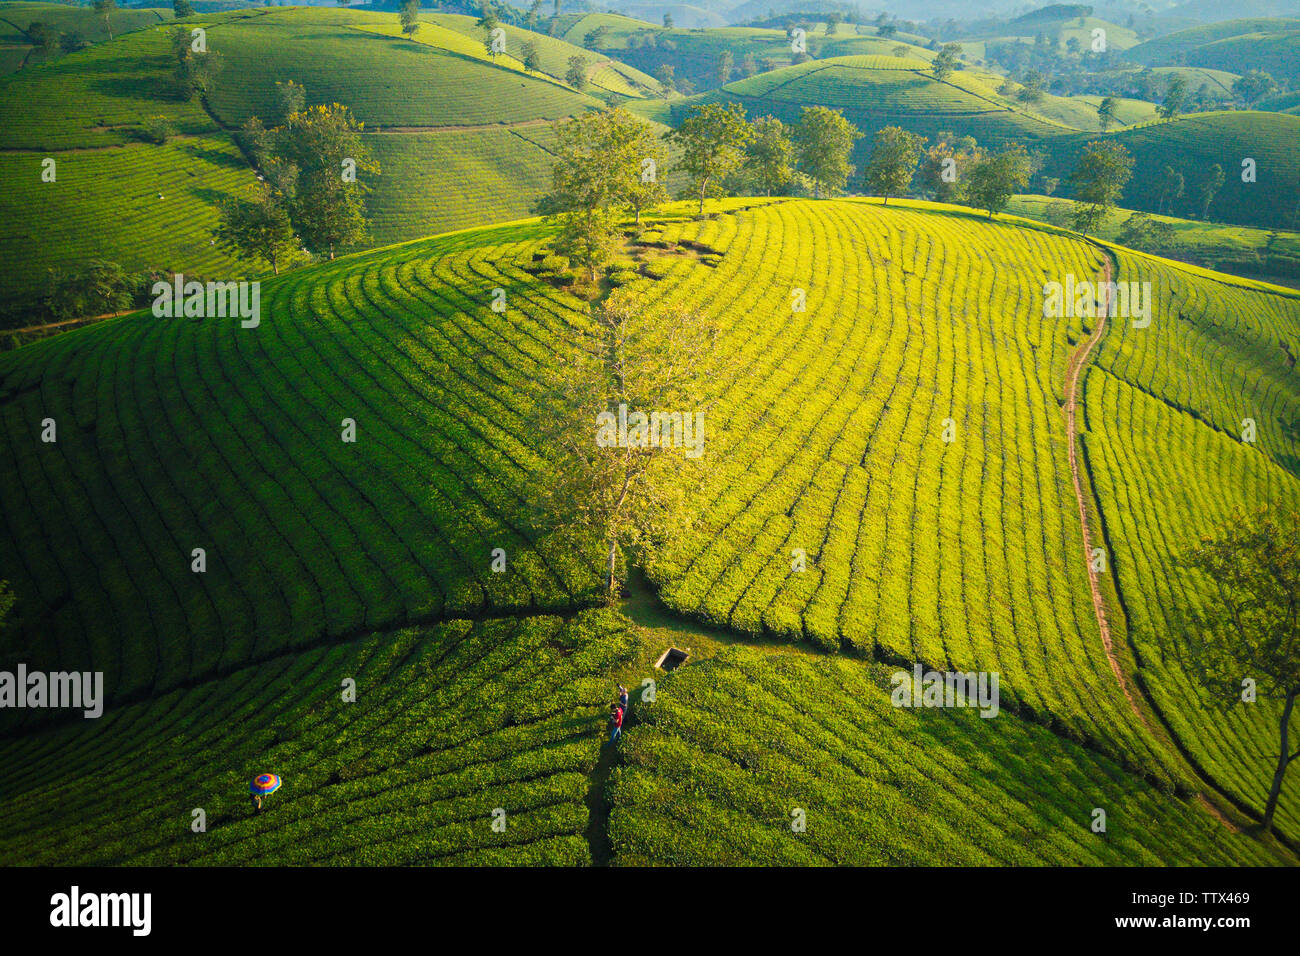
(824, 139)
(410, 17)
(635, 357)
(946, 61)
(992, 181)
(600, 170)
(1246, 636)
(258, 228)
(324, 145)
(769, 156)
(712, 140)
(895, 153)
(1099, 179)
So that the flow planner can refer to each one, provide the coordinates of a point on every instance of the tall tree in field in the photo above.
(1175, 97)
(636, 357)
(824, 139)
(769, 156)
(104, 9)
(895, 153)
(1171, 185)
(532, 59)
(1099, 180)
(992, 182)
(1249, 629)
(599, 172)
(1106, 112)
(257, 229)
(648, 165)
(182, 9)
(1209, 188)
(410, 17)
(576, 76)
(324, 144)
(945, 165)
(946, 61)
(712, 140)
(726, 63)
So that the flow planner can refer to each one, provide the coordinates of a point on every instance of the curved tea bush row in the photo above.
(733, 746)
(142, 206)
(96, 97)
(1163, 479)
(196, 433)
(448, 725)
(828, 436)
(385, 81)
(486, 176)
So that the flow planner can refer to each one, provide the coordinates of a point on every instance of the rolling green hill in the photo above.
(827, 436)
(17, 16)
(461, 140)
(879, 91)
(1271, 45)
(1192, 144)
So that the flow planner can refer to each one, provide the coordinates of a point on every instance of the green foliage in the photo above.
(409, 16)
(258, 229)
(599, 171)
(324, 146)
(1099, 179)
(712, 140)
(992, 181)
(770, 155)
(895, 153)
(158, 130)
(946, 62)
(823, 139)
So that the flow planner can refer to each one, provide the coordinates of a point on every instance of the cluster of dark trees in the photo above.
(310, 196)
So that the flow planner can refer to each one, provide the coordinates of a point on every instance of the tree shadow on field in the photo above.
(161, 89)
(213, 157)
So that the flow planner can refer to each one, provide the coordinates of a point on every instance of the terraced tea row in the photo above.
(466, 743)
(902, 435)
(183, 434)
(1171, 459)
(145, 207)
(736, 753)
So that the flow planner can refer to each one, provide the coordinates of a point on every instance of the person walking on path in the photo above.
(615, 723)
(622, 697)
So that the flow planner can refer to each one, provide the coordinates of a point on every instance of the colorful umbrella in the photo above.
(264, 784)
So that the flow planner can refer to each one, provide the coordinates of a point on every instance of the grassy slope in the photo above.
(16, 16)
(86, 111)
(1272, 45)
(731, 746)
(1192, 144)
(309, 539)
(1260, 253)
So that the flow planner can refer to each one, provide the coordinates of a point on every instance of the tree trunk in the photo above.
(1283, 758)
(609, 570)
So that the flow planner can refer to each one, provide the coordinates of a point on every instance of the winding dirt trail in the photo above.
(1073, 374)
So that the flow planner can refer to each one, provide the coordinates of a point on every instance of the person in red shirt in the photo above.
(615, 723)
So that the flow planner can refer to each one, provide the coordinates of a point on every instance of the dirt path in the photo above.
(1074, 372)
(1072, 376)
